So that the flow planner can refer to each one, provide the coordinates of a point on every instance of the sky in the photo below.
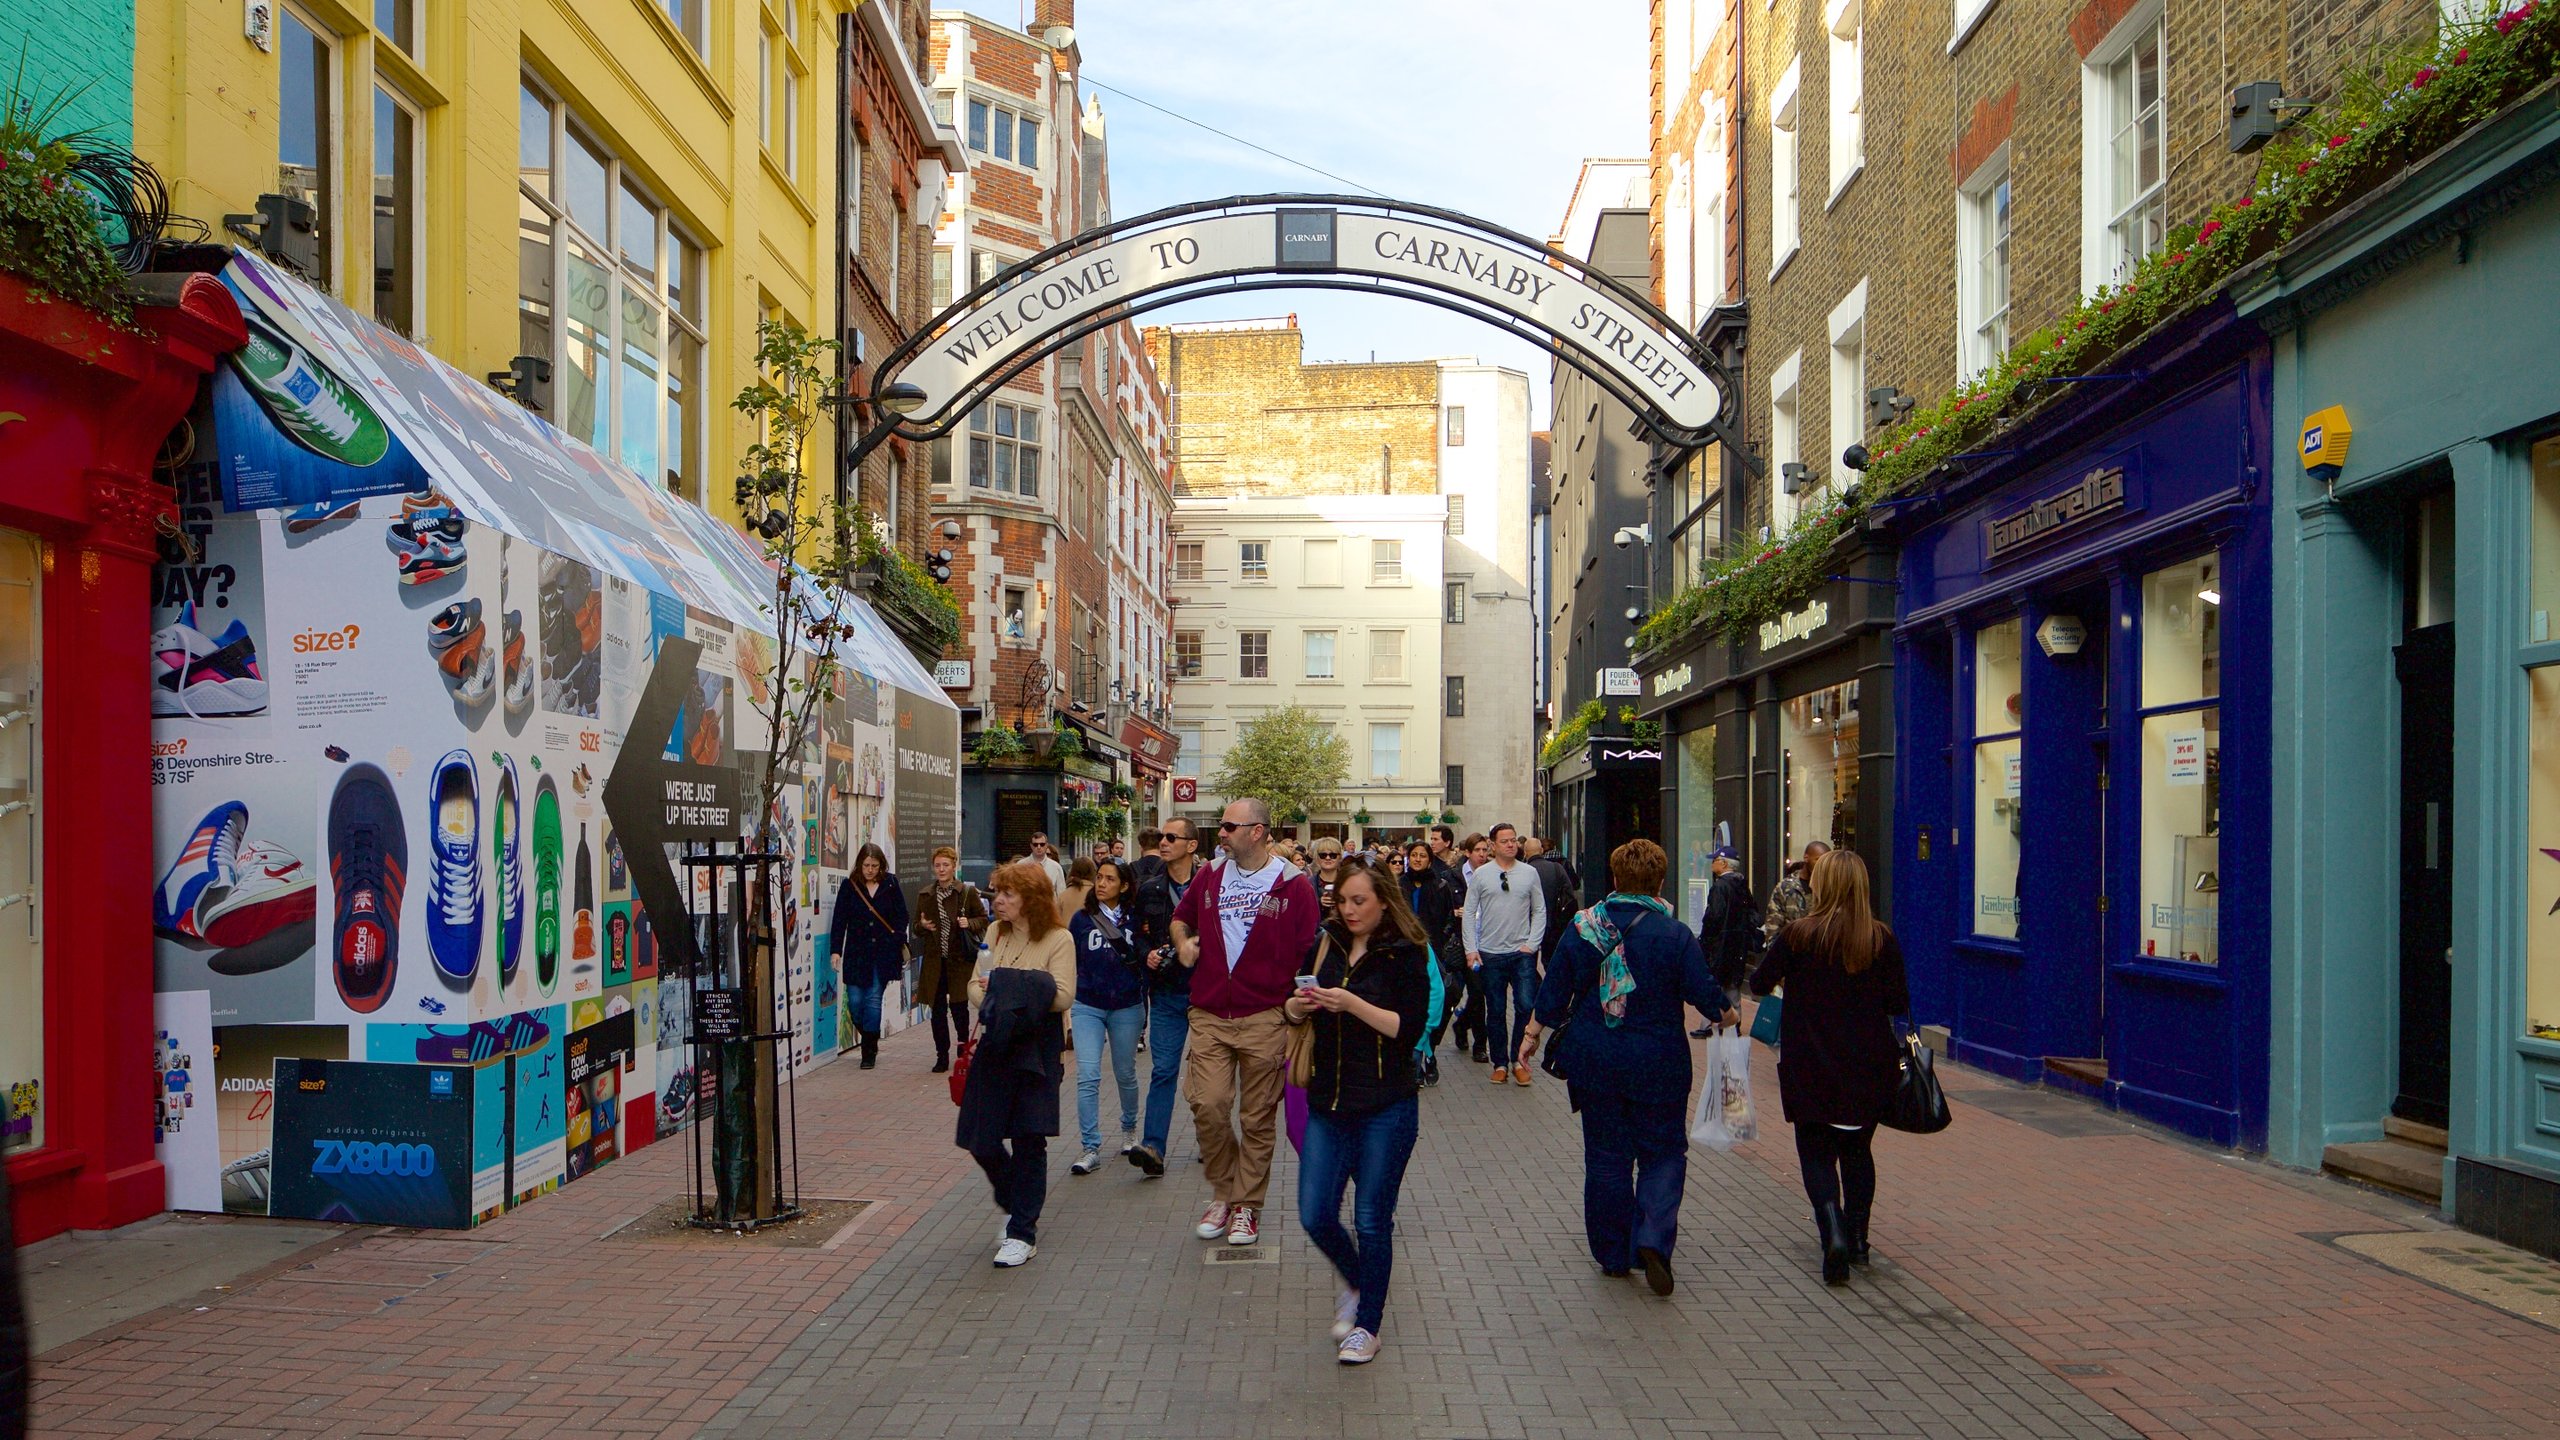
(1487, 107)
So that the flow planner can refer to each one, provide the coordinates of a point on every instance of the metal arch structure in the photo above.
(1361, 244)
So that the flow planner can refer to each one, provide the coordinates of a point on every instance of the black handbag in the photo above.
(1919, 1105)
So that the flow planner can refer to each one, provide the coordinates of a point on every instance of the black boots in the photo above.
(1858, 1239)
(942, 1063)
(1835, 1244)
(870, 1049)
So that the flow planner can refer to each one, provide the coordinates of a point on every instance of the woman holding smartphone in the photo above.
(1367, 992)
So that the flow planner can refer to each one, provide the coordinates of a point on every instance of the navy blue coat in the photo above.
(1107, 976)
(870, 949)
(1645, 1056)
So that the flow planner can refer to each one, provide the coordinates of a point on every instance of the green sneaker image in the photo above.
(313, 406)
(546, 885)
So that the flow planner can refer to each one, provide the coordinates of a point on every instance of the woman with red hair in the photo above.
(1010, 1108)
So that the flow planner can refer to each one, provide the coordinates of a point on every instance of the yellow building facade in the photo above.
(616, 188)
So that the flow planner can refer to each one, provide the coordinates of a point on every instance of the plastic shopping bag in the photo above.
(1725, 1115)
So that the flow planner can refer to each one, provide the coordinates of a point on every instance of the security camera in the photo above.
(1634, 535)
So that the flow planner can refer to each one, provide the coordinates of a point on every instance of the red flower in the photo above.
(2337, 140)
(2462, 56)
(1924, 430)
(2180, 258)
(2419, 80)
(2079, 324)
(45, 183)
(2105, 305)
(2245, 201)
(2211, 228)
(2302, 169)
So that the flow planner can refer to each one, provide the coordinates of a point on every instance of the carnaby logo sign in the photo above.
(1774, 633)
(2099, 495)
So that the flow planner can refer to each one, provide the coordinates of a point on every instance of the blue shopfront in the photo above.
(2081, 820)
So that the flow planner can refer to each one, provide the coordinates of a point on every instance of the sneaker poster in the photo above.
(383, 726)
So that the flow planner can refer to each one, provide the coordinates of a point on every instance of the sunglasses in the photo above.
(1228, 827)
(1506, 882)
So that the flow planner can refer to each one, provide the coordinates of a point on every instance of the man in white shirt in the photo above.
(1505, 917)
(1046, 858)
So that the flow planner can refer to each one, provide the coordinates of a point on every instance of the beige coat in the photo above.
(1054, 952)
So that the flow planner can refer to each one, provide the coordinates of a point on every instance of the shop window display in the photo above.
(21, 853)
(2544, 613)
(1999, 709)
(1818, 736)
(2542, 910)
(2181, 763)
(1696, 759)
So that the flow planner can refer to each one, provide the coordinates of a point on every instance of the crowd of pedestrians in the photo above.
(1261, 978)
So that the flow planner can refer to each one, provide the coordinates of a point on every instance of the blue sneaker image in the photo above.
(368, 870)
(509, 840)
(208, 859)
(453, 885)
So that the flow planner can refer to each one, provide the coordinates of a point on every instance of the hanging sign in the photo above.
(1186, 790)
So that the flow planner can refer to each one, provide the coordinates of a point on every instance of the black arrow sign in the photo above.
(655, 802)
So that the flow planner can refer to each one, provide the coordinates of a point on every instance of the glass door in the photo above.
(21, 844)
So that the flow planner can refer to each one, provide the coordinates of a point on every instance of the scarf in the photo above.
(1617, 982)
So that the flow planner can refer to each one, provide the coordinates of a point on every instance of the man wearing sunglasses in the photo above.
(1243, 929)
(1506, 916)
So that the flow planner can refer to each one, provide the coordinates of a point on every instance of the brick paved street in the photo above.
(2043, 1270)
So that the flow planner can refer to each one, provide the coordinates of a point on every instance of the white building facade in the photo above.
(1489, 686)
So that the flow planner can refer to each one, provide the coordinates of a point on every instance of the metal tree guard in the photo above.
(742, 1025)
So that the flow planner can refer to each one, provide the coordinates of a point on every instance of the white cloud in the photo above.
(1483, 106)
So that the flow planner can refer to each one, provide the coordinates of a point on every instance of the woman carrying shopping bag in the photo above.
(1620, 976)
(1838, 1060)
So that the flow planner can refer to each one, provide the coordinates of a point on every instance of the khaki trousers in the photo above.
(1247, 1057)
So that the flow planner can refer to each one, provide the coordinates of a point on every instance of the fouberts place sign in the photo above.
(1601, 329)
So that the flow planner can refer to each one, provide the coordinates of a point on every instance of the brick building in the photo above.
(1057, 482)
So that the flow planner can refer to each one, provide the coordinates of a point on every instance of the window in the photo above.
(1187, 760)
(1848, 375)
(1017, 613)
(1697, 537)
(1453, 603)
(398, 22)
(1998, 775)
(1320, 654)
(941, 280)
(1324, 562)
(395, 212)
(307, 127)
(614, 295)
(1845, 20)
(1386, 657)
(1698, 838)
(1253, 560)
(1004, 449)
(22, 1008)
(2124, 143)
(1186, 655)
(1386, 562)
(781, 70)
(1453, 786)
(692, 19)
(1967, 12)
(1454, 703)
(1456, 424)
(2182, 762)
(1386, 751)
(1818, 768)
(1786, 441)
(1253, 655)
(1982, 266)
(1186, 560)
(1457, 515)
(1007, 134)
(1785, 221)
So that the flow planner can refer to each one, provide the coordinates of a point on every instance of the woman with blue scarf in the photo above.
(1621, 975)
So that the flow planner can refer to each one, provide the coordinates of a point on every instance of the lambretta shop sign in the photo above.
(1290, 240)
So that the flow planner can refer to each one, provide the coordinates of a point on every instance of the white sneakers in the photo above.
(1213, 1221)
(1358, 1348)
(1087, 1163)
(1014, 1252)
(1346, 1314)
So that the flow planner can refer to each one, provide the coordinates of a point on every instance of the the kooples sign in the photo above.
(1803, 623)
(1520, 281)
(2099, 495)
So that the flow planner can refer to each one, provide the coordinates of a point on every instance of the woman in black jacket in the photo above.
(1368, 1000)
(1838, 1058)
(869, 941)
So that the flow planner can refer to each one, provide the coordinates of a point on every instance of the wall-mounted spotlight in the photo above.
(1885, 405)
(1794, 478)
(1854, 458)
(2257, 113)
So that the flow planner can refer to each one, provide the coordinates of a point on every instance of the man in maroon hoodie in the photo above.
(1245, 928)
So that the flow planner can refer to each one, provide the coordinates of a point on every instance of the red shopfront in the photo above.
(84, 409)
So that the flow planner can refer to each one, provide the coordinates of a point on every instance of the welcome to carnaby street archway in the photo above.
(1022, 315)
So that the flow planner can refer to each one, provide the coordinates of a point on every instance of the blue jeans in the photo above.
(1121, 1026)
(1635, 1164)
(1168, 1028)
(864, 1003)
(1513, 973)
(1368, 1151)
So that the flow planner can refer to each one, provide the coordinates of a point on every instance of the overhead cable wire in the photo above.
(1238, 139)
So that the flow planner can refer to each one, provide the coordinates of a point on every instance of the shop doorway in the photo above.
(2072, 766)
(2424, 664)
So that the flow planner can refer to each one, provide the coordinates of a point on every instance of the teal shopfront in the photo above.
(2415, 937)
